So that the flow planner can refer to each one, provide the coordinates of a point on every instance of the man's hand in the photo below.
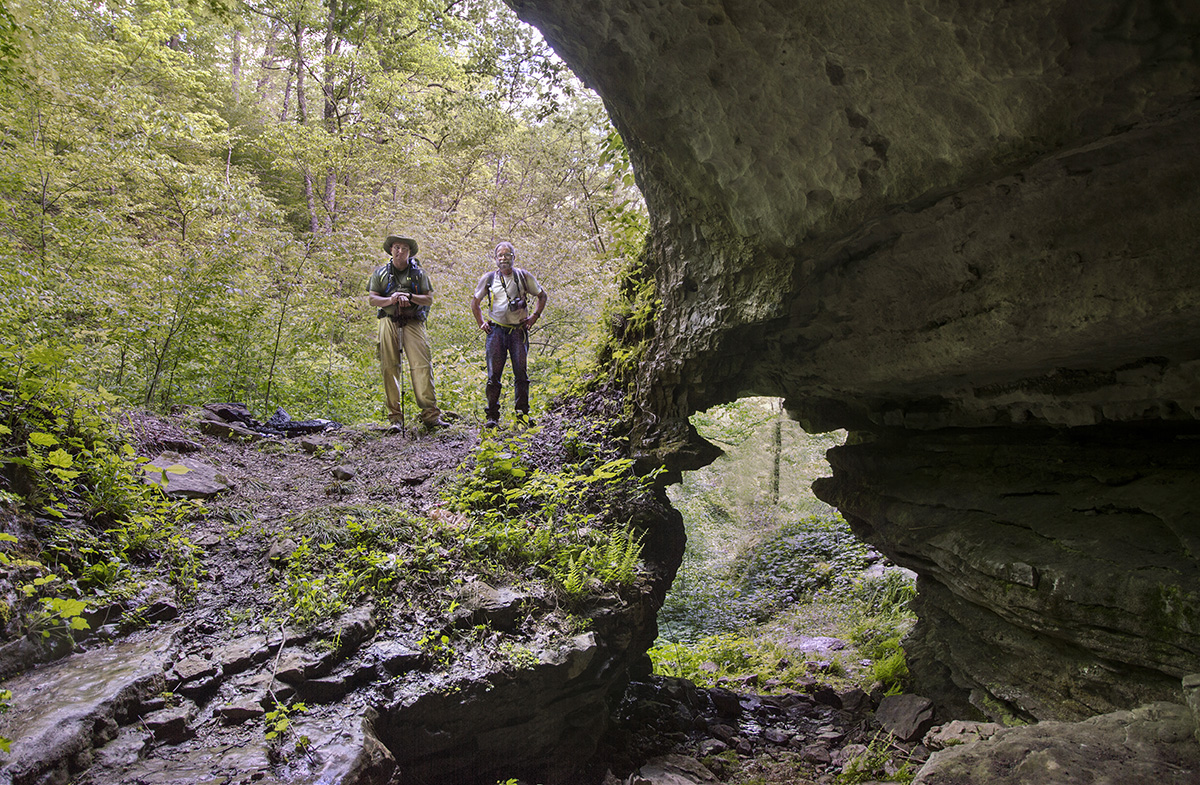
(401, 299)
(486, 327)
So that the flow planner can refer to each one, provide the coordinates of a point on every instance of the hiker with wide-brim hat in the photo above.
(402, 292)
(392, 239)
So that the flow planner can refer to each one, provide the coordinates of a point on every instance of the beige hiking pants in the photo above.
(415, 342)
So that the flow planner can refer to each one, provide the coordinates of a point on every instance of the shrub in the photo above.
(95, 526)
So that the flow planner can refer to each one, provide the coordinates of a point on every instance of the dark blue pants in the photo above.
(502, 343)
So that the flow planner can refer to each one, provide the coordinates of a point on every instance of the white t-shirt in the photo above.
(504, 289)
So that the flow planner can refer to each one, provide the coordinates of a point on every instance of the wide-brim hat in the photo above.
(392, 239)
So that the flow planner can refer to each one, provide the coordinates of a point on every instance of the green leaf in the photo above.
(177, 468)
(60, 458)
(42, 439)
(66, 608)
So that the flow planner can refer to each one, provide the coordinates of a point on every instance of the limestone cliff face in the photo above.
(967, 232)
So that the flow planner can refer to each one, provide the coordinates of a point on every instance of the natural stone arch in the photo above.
(966, 233)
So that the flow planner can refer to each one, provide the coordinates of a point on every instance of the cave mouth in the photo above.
(769, 569)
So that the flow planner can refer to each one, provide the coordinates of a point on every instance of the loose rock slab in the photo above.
(184, 477)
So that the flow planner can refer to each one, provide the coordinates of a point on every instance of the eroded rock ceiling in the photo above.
(966, 231)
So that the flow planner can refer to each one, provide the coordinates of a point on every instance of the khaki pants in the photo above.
(415, 343)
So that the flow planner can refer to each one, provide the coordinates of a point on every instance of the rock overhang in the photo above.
(849, 189)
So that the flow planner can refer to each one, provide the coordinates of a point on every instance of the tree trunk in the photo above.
(310, 199)
(301, 101)
(778, 456)
(178, 317)
(270, 63)
(275, 351)
(329, 115)
(302, 117)
(235, 66)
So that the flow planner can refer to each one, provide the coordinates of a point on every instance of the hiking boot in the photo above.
(395, 428)
(491, 423)
(524, 419)
(436, 423)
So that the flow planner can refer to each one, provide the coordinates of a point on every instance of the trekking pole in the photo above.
(403, 386)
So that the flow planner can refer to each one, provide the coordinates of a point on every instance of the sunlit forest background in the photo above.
(193, 195)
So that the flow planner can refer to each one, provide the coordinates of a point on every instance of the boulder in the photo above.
(1150, 744)
(672, 770)
(187, 478)
(907, 717)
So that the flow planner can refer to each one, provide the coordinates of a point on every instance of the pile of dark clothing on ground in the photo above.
(234, 419)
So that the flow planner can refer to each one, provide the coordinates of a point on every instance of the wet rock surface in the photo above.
(667, 730)
(63, 712)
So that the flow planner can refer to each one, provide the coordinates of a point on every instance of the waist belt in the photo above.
(508, 328)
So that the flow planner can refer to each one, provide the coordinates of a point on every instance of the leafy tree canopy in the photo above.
(195, 194)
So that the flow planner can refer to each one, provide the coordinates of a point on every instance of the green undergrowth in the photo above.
(631, 318)
(732, 659)
(504, 522)
(568, 524)
(82, 528)
(788, 564)
(342, 556)
(803, 579)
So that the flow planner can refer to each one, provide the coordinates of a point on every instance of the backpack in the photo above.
(408, 281)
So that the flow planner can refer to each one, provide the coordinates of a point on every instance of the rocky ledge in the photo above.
(447, 676)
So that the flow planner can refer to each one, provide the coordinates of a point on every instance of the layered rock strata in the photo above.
(1058, 568)
(965, 232)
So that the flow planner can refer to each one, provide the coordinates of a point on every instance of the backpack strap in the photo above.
(522, 284)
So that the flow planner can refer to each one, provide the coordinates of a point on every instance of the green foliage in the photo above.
(872, 765)
(343, 556)
(561, 525)
(883, 619)
(506, 522)
(516, 656)
(279, 719)
(5, 697)
(813, 564)
(437, 648)
(65, 462)
(716, 659)
(631, 320)
(205, 234)
(787, 565)
(797, 561)
(278, 728)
